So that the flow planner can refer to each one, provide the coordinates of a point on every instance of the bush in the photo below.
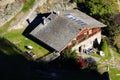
(96, 8)
(117, 46)
(81, 62)
(69, 54)
(68, 59)
(105, 48)
(104, 45)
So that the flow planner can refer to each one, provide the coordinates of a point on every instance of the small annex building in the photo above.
(71, 28)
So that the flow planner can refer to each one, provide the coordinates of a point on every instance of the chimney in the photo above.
(44, 20)
(53, 12)
(58, 12)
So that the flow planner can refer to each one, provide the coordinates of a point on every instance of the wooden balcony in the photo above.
(82, 37)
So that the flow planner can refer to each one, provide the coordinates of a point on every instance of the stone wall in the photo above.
(8, 10)
(5, 2)
(56, 5)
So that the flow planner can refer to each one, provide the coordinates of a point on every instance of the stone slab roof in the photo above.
(90, 22)
(59, 29)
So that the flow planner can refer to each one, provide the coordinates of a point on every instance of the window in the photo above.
(75, 19)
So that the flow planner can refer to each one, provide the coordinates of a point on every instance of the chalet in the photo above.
(71, 28)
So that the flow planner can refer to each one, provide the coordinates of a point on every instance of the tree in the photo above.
(104, 11)
(69, 54)
(96, 8)
(68, 58)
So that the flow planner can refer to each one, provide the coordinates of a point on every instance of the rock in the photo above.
(5, 2)
(8, 9)
(102, 53)
(56, 5)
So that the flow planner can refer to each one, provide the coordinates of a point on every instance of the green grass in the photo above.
(112, 70)
(13, 64)
(113, 73)
(95, 55)
(21, 41)
(116, 54)
(28, 5)
(18, 39)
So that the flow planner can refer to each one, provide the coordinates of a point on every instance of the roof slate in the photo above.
(59, 30)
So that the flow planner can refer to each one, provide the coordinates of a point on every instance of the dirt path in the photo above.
(114, 62)
(112, 54)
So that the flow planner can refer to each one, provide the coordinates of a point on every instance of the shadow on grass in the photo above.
(17, 67)
(32, 26)
(14, 66)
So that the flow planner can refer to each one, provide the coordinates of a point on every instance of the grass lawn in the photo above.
(18, 39)
(95, 55)
(21, 41)
(14, 65)
(114, 73)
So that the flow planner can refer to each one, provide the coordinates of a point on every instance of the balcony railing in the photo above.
(81, 38)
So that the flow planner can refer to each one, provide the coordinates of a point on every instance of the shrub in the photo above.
(69, 54)
(104, 45)
(81, 62)
(68, 59)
